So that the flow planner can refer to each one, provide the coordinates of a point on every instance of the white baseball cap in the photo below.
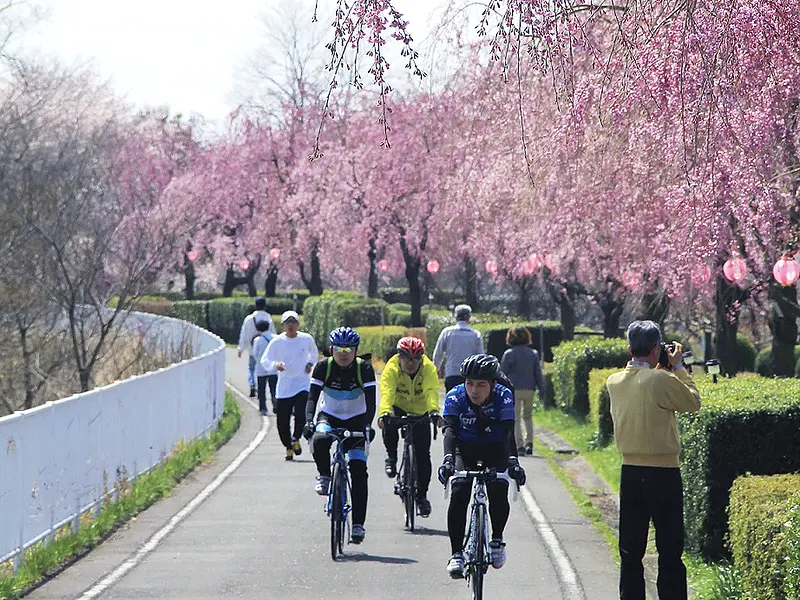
(290, 314)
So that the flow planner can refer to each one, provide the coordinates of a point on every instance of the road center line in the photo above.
(571, 588)
(112, 578)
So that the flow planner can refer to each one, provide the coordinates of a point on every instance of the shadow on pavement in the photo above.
(389, 560)
(426, 531)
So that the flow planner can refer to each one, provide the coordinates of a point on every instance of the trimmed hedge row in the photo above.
(379, 341)
(493, 329)
(221, 318)
(746, 425)
(572, 363)
(334, 309)
(764, 368)
(760, 509)
(600, 405)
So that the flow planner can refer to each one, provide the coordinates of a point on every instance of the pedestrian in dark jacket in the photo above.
(522, 366)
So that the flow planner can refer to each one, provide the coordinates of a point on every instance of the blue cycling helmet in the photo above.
(344, 336)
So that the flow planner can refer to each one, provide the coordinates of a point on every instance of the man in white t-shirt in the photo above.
(293, 354)
(246, 335)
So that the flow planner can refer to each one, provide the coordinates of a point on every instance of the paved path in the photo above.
(262, 533)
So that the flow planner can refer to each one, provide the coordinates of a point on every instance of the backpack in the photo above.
(358, 371)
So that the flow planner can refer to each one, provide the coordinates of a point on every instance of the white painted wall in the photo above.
(56, 460)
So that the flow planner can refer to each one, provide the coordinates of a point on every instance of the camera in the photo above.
(663, 357)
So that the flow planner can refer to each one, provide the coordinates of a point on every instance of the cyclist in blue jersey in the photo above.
(479, 426)
(347, 389)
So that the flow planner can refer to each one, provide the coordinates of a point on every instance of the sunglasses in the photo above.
(406, 356)
(345, 349)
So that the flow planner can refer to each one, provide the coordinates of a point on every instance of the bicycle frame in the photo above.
(406, 481)
(340, 515)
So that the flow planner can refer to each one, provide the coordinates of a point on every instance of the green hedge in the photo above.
(573, 361)
(379, 341)
(745, 353)
(759, 508)
(763, 366)
(600, 405)
(494, 336)
(334, 309)
(792, 533)
(225, 318)
(193, 311)
(746, 425)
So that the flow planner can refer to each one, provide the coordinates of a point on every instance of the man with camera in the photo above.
(644, 400)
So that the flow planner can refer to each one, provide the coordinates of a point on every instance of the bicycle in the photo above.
(339, 491)
(406, 485)
(477, 555)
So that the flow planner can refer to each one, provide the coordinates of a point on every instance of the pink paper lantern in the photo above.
(786, 271)
(433, 267)
(383, 265)
(528, 267)
(734, 269)
(244, 264)
(491, 266)
(192, 255)
(536, 260)
(275, 253)
(701, 275)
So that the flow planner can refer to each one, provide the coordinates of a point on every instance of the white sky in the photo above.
(180, 53)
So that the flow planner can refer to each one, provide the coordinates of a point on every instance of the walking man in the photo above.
(293, 354)
(644, 400)
(246, 335)
(455, 344)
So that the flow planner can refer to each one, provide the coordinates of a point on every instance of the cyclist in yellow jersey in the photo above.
(410, 386)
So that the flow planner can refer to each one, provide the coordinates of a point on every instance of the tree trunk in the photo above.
(413, 264)
(654, 307)
(728, 301)
(612, 311)
(26, 364)
(314, 282)
(230, 282)
(271, 282)
(83, 376)
(783, 325)
(471, 283)
(189, 278)
(566, 307)
(524, 301)
(372, 281)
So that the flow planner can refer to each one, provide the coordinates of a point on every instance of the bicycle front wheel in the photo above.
(478, 531)
(411, 486)
(337, 512)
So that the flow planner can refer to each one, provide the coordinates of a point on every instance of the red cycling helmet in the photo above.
(411, 347)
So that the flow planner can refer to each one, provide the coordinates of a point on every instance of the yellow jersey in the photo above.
(415, 396)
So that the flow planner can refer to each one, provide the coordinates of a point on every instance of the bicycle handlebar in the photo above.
(410, 420)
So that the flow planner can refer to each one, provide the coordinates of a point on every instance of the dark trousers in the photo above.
(321, 444)
(286, 406)
(421, 436)
(452, 381)
(467, 457)
(263, 382)
(647, 493)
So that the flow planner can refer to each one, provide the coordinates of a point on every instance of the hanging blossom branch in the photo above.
(357, 20)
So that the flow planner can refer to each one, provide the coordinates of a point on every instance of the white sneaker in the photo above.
(497, 550)
(358, 534)
(455, 566)
(322, 485)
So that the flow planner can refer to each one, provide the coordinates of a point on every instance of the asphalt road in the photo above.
(262, 533)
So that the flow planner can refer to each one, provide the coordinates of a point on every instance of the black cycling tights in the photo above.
(459, 501)
(322, 443)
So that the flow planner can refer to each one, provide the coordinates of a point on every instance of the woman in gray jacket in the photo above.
(522, 366)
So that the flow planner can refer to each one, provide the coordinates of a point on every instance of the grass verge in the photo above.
(42, 561)
(708, 581)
